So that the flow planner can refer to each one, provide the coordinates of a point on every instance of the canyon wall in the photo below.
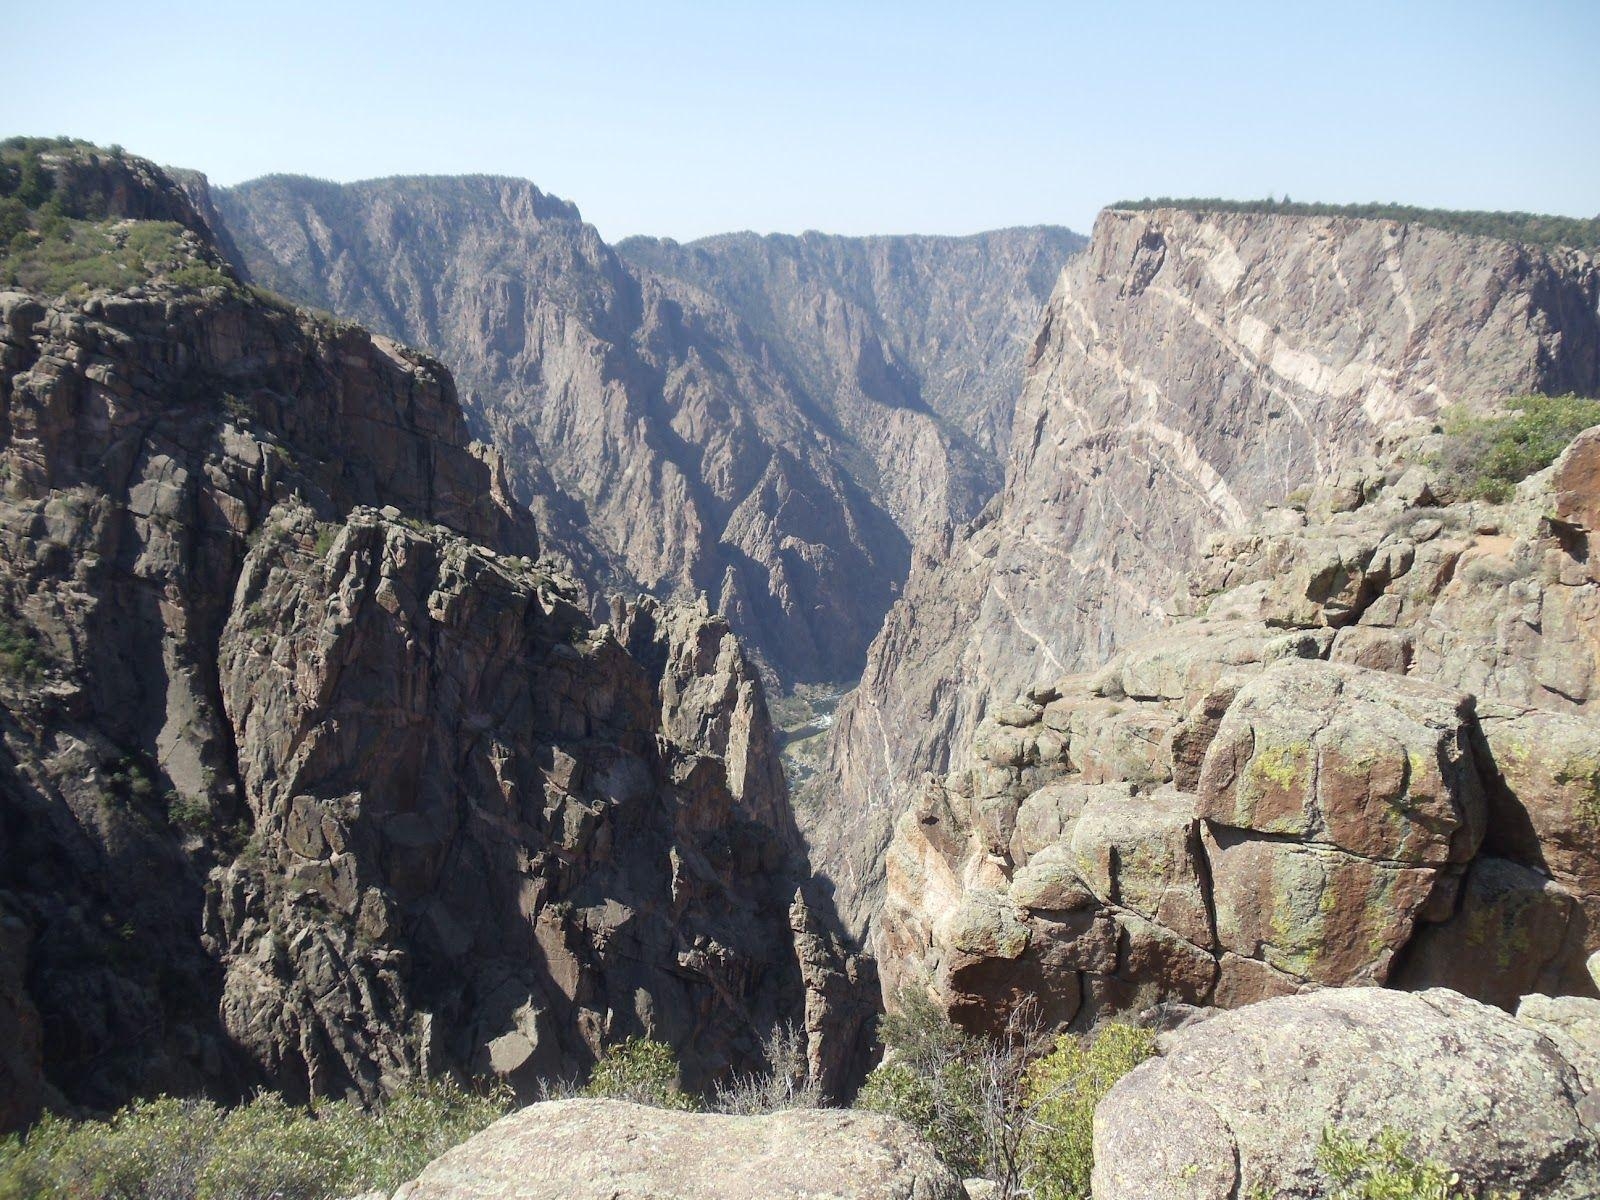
(310, 776)
(1190, 369)
(769, 423)
(1370, 756)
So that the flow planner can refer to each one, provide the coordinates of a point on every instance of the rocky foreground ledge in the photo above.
(1237, 1104)
(606, 1149)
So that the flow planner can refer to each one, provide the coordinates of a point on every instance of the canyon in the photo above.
(313, 778)
(769, 422)
(1191, 369)
(357, 728)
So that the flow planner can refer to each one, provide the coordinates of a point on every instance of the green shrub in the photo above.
(1382, 1170)
(192, 1150)
(326, 536)
(1016, 1109)
(1486, 457)
(932, 1079)
(62, 256)
(640, 1071)
(14, 222)
(341, 1149)
(1061, 1091)
(190, 813)
(20, 654)
(151, 1150)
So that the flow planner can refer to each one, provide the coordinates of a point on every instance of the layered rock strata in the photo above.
(1191, 369)
(779, 464)
(911, 346)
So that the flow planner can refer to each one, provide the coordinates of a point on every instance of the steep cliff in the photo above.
(883, 333)
(1371, 756)
(766, 427)
(310, 777)
(1190, 369)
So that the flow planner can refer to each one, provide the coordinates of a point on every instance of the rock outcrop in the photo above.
(1368, 757)
(1191, 369)
(779, 465)
(601, 1149)
(1237, 1103)
(310, 777)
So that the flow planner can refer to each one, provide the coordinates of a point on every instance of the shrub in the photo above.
(785, 1082)
(191, 813)
(326, 536)
(640, 1071)
(1061, 1091)
(151, 1150)
(1486, 457)
(14, 222)
(932, 1080)
(1002, 1108)
(192, 1150)
(20, 655)
(62, 256)
(1382, 1170)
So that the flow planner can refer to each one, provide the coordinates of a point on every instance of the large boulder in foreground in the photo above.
(604, 1149)
(1237, 1103)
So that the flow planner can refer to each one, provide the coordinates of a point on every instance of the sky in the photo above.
(682, 119)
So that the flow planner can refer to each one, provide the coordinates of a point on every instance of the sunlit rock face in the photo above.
(312, 776)
(1191, 369)
(1367, 755)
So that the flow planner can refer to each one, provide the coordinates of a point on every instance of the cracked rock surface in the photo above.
(1191, 370)
(1255, 802)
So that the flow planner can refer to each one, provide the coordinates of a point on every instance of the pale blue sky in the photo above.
(684, 119)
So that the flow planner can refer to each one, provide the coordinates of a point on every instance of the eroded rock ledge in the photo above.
(1369, 756)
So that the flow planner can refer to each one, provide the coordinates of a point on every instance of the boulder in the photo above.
(1374, 764)
(1237, 1104)
(606, 1149)
(1142, 853)
(1312, 912)
(1514, 931)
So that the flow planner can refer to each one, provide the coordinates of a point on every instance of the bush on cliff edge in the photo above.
(171, 1149)
(1017, 1109)
(1487, 456)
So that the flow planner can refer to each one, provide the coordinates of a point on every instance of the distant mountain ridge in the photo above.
(770, 422)
(926, 323)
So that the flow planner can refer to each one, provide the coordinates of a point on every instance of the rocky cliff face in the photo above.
(911, 346)
(1369, 757)
(767, 427)
(1191, 368)
(309, 776)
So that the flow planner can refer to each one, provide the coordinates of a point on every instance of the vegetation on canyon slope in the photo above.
(1533, 229)
(1486, 456)
(58, 240)
(1018, 1110)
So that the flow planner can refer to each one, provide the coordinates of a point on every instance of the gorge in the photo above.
(357, 729)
